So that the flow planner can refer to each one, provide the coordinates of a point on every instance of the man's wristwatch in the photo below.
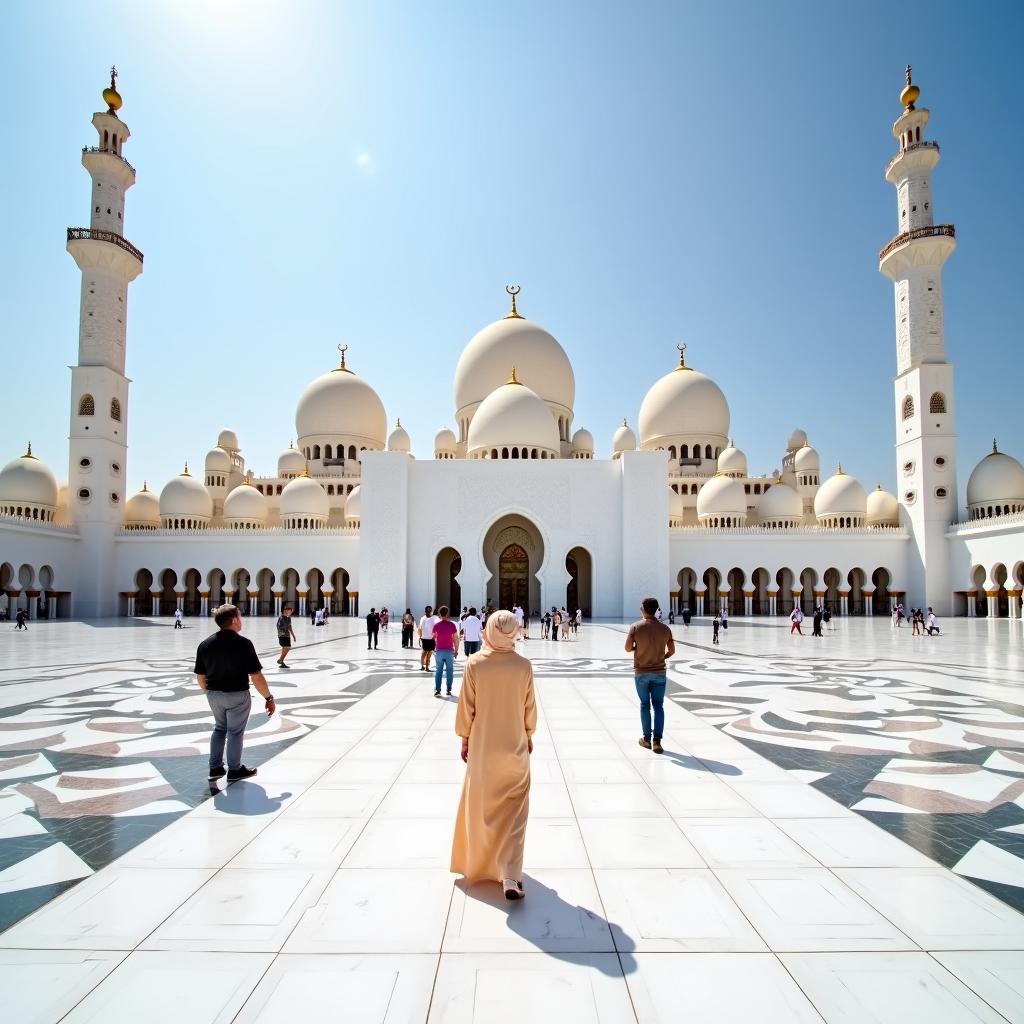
(270, 699)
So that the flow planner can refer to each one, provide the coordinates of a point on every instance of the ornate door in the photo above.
(513, 577)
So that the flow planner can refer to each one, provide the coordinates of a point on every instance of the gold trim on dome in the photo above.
(839, 471)
(682, 358)
(513, 379)
(111, 96)
(995, 448)
(145, 485)
(305, 472)
(341, 366)
(513, 290)
(28, 454)
(910, 93)
(185, 471)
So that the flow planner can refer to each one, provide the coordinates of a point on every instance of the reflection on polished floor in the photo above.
(833, 833)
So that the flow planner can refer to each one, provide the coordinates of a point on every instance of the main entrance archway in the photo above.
(513, 576)
(578, 592)
(513, 554)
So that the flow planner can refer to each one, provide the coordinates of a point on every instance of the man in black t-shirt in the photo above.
(372, 626)
(285, 633)
(225, 663)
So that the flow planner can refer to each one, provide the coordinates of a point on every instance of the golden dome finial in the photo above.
(111, 96)
(682, 357)
(839, 471)
(185, 471)
(341, 366)
(513, 379)
(624, 423)
(995, 448)
(145, 485)
(28, 453)
(513, 290)
(910, 93)
(305, 470)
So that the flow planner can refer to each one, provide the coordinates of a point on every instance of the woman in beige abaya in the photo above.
(496, 718)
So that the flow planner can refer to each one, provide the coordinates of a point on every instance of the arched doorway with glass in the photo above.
(513, 553)
(579, 591)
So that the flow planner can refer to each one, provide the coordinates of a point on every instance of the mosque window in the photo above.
(84, 494)
(707, 451)
(908, 407)
(115, 409)
(684, 451)
(87, 406)
(941, 492)
(327, 452)
(114, 497)
(909, 497)
(937, 403)
(85, 463)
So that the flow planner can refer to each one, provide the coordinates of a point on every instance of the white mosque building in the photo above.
(515, 505)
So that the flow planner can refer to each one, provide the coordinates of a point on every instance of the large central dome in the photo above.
(341, 404)
(541, 364)
(683, 404)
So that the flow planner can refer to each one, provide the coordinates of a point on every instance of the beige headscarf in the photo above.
(501, 631)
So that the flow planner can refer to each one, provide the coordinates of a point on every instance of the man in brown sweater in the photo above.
(651, 644)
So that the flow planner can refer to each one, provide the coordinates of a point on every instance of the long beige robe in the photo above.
(498, 712)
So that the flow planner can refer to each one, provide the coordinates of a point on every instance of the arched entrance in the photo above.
(447, 591)
(513, 554)
(578, 593)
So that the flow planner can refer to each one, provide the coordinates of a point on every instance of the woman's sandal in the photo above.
(513, 889)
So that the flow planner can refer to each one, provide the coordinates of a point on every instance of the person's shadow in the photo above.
(558, 928)
(703, 765)
(248, 798)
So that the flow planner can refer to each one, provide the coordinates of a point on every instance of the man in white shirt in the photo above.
(517, 611)
(177, 619)
(931, 625)
(427, 624)
(472, 632)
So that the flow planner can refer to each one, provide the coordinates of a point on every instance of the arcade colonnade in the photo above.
(34, 589)
(993, 592)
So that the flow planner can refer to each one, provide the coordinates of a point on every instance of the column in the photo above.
(1014, 602)
(254, 602)
(204, 603)
(700, 601)
(992, 600)
(844, 602)
(748, 602)
(353, 603)
(796, 595)
(773, 598)
(12, 603)
(894, 599)
(154, 603)
(180, 597)
(819, 598)
(673, 601)
(278, 600)
(723, 600)
(328, 593)
(869, 600)
(972, 603)
(131, 604)
(303, 594)
(51, 604)
(229, 596)
(33, 604)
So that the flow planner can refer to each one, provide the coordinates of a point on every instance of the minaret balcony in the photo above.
(934, 231)
(96, 235)
(932, 148)
(108, 152)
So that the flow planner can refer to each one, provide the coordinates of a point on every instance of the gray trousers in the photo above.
(230, 716)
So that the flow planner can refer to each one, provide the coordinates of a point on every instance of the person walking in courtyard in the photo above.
(556, 623)
(816, 621)
(496, 719)
(725, 616)
(651, 644)
(20, 620)
(177, 618)
(427, 623)
(285, 634)
(716, 625)
(526, 623)
(446, 640)
(826, 617)
(385, 619)
(932, 624)
(226, 663)
(472, 632)
(517, 611)
(545, 625)
(687, 615)
(408, 624)
(372, 628)
(796, 616)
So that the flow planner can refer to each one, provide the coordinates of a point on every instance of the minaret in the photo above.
(99, 388)
(924, 401)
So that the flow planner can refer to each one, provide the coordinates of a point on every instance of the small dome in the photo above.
(228, 440)
(623, 440)
(353, 504)
(513, 416)
(722, 496)
(28, 481)
(997, 480)
(676, 506)
(796, 440)
(882, 508)
(732, 461)
(583, 441)
(303, 497)
(245, 505)
(143, 509)
(184, 497)
(683, 404)
(445, 442)
(398, 439)
(290, 462)
(841, 495)
(341, 403)
(780, 503)
(806, 460)
(540, 360)
(218, 460)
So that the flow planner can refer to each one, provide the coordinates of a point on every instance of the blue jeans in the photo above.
(443, 660)
(472, 646)
(230, 715)
(650, 688)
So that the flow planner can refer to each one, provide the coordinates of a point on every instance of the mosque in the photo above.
(515, 505)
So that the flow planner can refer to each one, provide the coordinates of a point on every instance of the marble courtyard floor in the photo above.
(835, 832)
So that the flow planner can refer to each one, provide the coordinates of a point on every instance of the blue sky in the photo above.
(314, 173)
